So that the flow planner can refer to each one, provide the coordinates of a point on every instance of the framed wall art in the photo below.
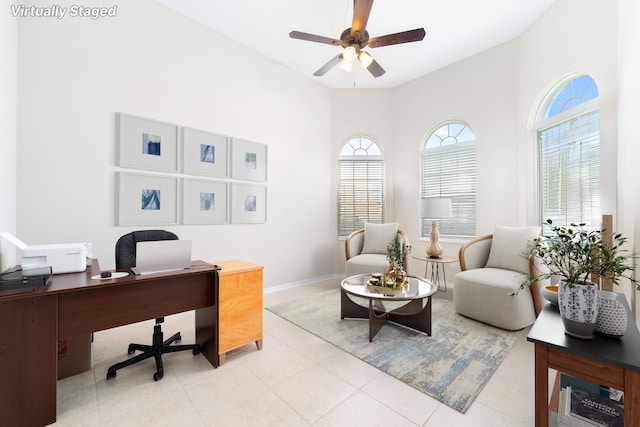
(146, 199)
(204, 153)
(248, 203)
(147, 144)
(248, 160)
(204, 202)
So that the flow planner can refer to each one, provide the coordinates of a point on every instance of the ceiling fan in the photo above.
(353, 40)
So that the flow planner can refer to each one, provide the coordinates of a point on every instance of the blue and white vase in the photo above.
(578, 308)
(612, 316)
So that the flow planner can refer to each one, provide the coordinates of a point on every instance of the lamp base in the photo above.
(434, 250)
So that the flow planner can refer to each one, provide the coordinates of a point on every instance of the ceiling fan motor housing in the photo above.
(357, 38)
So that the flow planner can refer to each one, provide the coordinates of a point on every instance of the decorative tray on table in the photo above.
(386, 285)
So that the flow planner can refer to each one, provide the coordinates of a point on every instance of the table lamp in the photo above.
(434, 208)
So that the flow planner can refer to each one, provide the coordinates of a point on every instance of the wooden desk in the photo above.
(612, 362)
(75, 304)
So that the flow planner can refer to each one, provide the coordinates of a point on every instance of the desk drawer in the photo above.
(590, 369)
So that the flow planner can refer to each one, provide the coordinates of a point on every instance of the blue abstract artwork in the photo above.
(250, 203)
(207, 201)
(250, 160)
(151, 200)
(207, 153)
(151, 144)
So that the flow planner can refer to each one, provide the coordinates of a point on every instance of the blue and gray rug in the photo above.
(452, 365)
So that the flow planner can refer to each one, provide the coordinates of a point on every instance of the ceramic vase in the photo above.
(612, 316)
(578, 308)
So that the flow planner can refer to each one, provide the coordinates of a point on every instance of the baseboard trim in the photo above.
(300, 283)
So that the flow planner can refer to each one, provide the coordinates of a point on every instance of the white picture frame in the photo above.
(204, 202)
(248, 160)
(248, 203)
(146, 199)
(147, 144)
(204, 153)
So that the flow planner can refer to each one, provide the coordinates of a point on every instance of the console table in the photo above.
(73, 304)
(612, 362)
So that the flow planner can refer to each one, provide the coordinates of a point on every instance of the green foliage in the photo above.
(575, 252)
(396, 257)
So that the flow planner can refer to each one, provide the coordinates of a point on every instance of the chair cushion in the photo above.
(366, 263)
(378, 236)
(484, 294)
(510, 247)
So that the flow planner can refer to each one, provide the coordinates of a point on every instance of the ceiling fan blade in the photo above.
(375, 69)
(361, 10)
(397, 38)
(329, 65)
(314, 38)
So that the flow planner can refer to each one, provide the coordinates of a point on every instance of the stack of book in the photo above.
(579, 407)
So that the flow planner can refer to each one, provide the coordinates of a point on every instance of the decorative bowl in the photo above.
(550, 293)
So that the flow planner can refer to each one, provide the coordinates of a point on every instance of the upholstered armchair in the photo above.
(492, 268)
(366, 249)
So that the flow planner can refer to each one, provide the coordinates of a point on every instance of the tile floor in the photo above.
(296, 380)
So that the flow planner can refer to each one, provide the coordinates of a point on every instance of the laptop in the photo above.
(162, 255)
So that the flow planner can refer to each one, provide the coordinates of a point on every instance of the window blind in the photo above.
(570, 172)
(360, 194)
(450, 172)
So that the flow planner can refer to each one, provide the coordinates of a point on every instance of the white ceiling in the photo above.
(456, 29)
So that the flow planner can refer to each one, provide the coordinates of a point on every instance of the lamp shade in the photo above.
(434, 208)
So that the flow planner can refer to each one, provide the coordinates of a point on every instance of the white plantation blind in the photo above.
(450, 172)
(360, 194)
(570, 171)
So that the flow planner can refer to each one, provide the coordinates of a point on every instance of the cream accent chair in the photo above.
(366, 249)
(491, 268)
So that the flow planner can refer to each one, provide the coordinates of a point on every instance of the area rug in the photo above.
(452, 365)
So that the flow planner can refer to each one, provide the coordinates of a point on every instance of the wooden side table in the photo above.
(437, 268)
(240, 307)
(612, 362)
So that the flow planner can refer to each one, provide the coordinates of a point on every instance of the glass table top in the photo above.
(416, 288)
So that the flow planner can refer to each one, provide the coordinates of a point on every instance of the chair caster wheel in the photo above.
(111, 374)
(178, 338)
(196, 351)
(158, 375)
(130, 350)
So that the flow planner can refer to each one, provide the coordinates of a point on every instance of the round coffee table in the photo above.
(408, 306)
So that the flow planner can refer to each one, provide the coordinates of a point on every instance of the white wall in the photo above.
(495, 92)
(559, 44)
(8, 89)
(361, 112)
(76, 73)
(629, 127)
(481, 92)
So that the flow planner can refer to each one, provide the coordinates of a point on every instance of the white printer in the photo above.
(62, 258)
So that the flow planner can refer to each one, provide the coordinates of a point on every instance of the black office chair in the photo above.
(126, 258)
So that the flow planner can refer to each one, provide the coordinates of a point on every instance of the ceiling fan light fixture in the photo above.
(365, 58)
(350, 53)
(346, 65)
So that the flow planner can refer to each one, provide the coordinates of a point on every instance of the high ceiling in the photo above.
(455, 30)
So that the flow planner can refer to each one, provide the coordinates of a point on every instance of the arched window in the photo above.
(448, 170)
(568, 131)
(361, 185)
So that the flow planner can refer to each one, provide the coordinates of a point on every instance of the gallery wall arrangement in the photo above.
(177, 174)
